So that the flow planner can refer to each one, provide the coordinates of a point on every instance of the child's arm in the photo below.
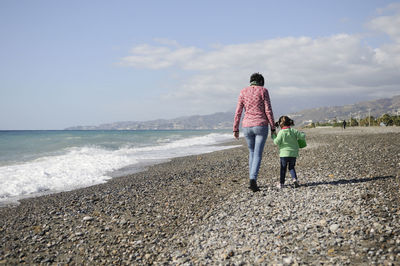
(277, 138)
(300, 135)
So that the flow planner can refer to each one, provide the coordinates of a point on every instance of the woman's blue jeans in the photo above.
(255, 137)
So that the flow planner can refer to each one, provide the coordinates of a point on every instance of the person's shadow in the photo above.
(346, 181)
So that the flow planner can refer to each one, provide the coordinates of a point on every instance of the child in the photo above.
(288, 148)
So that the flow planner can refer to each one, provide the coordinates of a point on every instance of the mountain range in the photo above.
(375, 108)
(224, 120)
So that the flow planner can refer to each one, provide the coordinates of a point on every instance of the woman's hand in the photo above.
(236, 134)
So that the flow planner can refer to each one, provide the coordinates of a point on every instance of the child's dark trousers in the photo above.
(288, 162)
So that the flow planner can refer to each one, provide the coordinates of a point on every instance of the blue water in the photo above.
(37, 162)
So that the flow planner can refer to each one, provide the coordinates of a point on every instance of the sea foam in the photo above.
(89, 165)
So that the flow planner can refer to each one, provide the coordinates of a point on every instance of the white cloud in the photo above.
(165, 41)
(334, 66)
(388, 22)
(156, 57)
(393, 7)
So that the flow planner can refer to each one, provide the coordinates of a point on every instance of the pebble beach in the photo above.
(198, 210)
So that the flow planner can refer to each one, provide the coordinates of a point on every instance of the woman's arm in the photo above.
(238, 114)
(268, 109)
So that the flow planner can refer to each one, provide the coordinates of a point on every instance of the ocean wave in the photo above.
(90, 165)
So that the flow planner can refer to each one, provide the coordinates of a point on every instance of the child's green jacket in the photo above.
(287, 142)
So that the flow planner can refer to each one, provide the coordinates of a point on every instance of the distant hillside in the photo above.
(214, 121)
(324, 114)
(224, 120)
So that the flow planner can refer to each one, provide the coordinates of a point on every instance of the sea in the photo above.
(34, 163)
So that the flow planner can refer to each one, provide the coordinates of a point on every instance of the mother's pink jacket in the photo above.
(258, 111)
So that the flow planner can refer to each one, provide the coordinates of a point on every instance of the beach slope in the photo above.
(198, 210)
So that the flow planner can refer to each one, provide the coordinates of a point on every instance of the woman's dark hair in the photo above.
(284, 121)
(258, 78)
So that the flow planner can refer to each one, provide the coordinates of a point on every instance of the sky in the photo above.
(69, 63)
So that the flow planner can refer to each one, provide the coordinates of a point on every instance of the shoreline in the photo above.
(139, 165)
(198, 209)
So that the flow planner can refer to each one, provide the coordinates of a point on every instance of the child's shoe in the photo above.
(295, 183)
(280, 186)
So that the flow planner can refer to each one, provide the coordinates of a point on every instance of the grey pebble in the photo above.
(198, 210)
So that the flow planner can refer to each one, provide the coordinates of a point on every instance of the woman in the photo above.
(258, 115)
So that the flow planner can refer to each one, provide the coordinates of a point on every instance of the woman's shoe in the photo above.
(253, 185)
